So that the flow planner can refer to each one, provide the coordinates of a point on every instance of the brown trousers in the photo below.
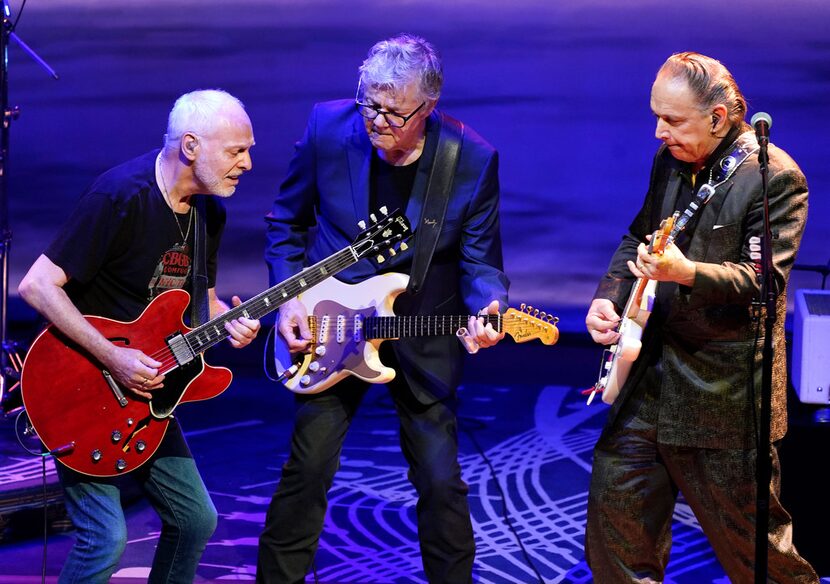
(634, 486)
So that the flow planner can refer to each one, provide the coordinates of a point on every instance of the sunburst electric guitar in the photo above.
(348, 323)
(618, 358)
(98, 428)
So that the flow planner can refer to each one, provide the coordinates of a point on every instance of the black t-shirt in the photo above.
(390, 185)
(121, 246)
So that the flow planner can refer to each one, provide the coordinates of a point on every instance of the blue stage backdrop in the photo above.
(561, 88)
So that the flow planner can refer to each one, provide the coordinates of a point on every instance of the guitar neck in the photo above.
(396, 327)
(205, 336)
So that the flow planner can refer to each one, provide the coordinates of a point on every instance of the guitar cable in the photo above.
(464, 425)
(268, 355)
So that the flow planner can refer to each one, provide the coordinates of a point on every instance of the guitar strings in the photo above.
(168, 359)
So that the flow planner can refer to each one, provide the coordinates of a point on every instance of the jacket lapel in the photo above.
(415, 206)
(359, 153)
(699, 246)
(672, 192)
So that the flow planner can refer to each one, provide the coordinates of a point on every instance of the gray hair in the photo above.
(198, 112)
(710, 82)
(394, 63)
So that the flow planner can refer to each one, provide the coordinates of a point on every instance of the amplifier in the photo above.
(811, 346)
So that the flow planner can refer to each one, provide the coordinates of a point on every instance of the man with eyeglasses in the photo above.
(384, 149)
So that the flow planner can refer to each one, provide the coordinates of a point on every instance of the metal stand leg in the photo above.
(11, 399)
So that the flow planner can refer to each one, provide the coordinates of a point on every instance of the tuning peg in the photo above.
(403, 246)
(392, 251)
(383, 210)
(542, 315)
(522, 306)
(373, 218)
(381, 259)
(361, 224)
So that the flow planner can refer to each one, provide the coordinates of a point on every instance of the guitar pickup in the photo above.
(357, 334)
(182, 351)
(341, 328)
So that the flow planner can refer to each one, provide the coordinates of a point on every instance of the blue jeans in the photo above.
(175, 490)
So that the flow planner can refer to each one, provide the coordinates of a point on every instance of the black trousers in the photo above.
(429, 442)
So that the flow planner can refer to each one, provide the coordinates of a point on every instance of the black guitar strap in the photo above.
(439, 185)
(199, 310)
(740, 150)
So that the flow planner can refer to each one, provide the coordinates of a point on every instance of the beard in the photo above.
(212, 183)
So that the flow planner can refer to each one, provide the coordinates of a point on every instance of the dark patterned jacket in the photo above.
(706, 332)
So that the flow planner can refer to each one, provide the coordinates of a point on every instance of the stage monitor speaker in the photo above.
(811, 346)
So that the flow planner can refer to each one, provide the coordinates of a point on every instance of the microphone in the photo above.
(762, 122)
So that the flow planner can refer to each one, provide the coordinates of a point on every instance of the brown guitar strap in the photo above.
(439, 185)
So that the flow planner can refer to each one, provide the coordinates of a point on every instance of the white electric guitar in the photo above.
(618, 359)
(349, 321)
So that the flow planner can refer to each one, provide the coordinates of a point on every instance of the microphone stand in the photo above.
(10, 361)
(769, 297)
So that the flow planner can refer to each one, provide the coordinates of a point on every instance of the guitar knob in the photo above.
(305, 380)
(314, 366)
(140, 446)
(320, 350)
(120, 464)
(96, 455)
(116, 436)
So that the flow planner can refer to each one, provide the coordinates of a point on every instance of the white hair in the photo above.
(198, 112)
(394, 63)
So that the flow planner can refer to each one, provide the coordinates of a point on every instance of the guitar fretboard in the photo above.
(202, 338)
(395, 327)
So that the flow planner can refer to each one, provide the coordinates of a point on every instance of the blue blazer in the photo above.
(325, 194)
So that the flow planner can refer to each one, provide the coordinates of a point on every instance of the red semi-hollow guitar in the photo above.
(94, 426)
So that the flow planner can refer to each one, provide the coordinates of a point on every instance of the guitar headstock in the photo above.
(663, 236)
(530, 323)
(382, 235)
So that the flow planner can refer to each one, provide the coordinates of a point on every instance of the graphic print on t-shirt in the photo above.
(172, 271)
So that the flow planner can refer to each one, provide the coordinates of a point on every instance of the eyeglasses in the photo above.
(370, 112)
